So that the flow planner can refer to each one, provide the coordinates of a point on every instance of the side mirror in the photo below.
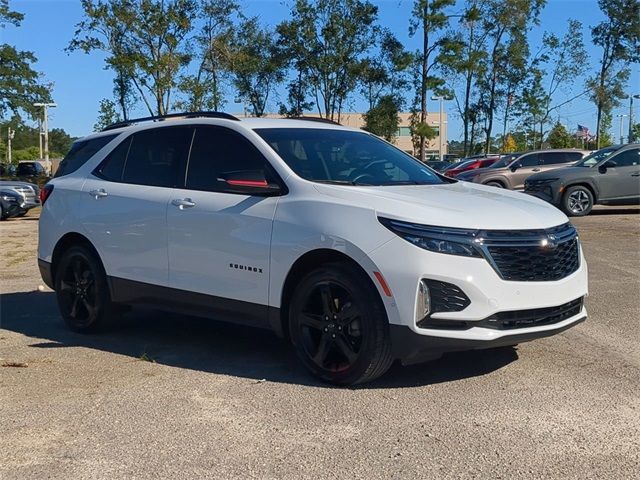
(515, 166)
(249, 182)
(608, 164)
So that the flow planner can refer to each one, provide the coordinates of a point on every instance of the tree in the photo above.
(326, 41)
(635, 132)
(463, 57)
(107, 115)
(20, 85)
(428, 17)
(509, 144)
(147, 43)
(619, 38)
(383, 119)
(506, 23)
(559, 137)
(256, 64)
(204, 89)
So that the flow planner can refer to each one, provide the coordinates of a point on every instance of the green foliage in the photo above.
(325, 42)
(635, 133)
(256, 64)
(26, 140)
(20, 85)
(107, 115)
(147, 43)
(559, 137)
(383, 119)
(619, 38)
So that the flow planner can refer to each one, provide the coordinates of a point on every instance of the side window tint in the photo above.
(111, 167)
(80, 153)
(529, 160)
(553, 158)
(218, 150)
(157, 157)
(628, 158)
(574, 157)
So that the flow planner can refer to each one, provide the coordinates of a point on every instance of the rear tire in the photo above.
(82, 292)
(577, 201)
(338, 325)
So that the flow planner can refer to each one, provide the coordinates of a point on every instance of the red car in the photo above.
(472, 164)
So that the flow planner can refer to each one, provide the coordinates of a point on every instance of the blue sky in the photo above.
(80, 81)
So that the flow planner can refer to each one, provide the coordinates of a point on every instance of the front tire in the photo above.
(82, 292)
(338, 325)
(494, 184)
(577, 201)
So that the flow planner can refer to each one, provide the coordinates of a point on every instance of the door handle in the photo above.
(99, 193)
(535, 170)
(183, 203)
(635, 174)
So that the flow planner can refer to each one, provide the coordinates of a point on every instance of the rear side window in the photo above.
(529, 160)
(80, 153)
(112, 166)
(218, 150)
(553, 158)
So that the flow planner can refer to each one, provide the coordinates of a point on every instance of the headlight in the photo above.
(452, 241)
(8, 198)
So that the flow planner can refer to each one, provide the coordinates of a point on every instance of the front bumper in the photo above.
(404, 265)
(46, 273)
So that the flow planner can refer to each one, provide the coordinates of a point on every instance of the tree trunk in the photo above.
(423, 85)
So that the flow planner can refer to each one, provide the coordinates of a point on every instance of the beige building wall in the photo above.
(403, 138)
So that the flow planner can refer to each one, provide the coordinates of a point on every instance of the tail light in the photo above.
(45, 193)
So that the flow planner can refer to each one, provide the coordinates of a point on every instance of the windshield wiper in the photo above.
(344, 182)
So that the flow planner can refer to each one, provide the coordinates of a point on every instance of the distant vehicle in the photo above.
(29, 194)
(9, 203)
(504, 161)
(7, 170)
(31, 171)
(514, 175)
(610, 176)
(472, 164)
(439, 166)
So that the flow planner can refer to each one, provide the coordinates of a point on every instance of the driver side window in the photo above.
(529, 160)
(628, 158)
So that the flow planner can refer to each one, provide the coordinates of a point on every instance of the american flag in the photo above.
(583, 131)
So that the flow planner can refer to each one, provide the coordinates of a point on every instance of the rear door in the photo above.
(124, 210)
(219, 241)
(623, 180)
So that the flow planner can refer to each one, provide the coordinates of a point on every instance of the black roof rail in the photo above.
(159, 118)
(315, 119)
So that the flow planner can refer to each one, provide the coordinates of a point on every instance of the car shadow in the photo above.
(615, 211)
(217, 347)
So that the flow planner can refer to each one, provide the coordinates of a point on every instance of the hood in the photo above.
(460, 204)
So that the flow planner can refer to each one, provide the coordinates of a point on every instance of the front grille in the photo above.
(536, 317)
(533, 255)
(535, 185)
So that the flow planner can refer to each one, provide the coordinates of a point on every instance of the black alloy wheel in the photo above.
(82, 291)
(339, 326)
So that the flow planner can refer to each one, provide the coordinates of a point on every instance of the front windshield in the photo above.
(346, 157)
(596, 157)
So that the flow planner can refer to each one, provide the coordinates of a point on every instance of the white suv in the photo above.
(331, 237)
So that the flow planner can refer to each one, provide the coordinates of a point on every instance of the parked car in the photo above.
(439, 166)
(505, 160)
(336, 240)
(514, 175)
(9, 203)
(473, 164)
(610, 176)
(32, 172)
(29, 194)
(7, 170)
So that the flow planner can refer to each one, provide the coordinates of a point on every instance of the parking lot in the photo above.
(164, 396)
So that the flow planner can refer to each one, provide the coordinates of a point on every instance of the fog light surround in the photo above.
(423, 301)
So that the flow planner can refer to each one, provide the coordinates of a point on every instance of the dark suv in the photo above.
(610, 176)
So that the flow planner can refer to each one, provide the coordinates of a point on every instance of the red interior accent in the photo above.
(248, 183)
(383, 284)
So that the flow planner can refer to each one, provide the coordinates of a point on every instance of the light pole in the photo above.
(10, 134)
(621, 115)
(631, 138)
(45, 125)
(441, 99)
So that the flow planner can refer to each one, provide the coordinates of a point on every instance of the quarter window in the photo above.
(218, 150)
(80, 153)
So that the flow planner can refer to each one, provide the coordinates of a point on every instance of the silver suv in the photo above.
(514, 175)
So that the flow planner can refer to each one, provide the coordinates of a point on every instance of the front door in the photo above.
(219, 242)
(623, 180)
